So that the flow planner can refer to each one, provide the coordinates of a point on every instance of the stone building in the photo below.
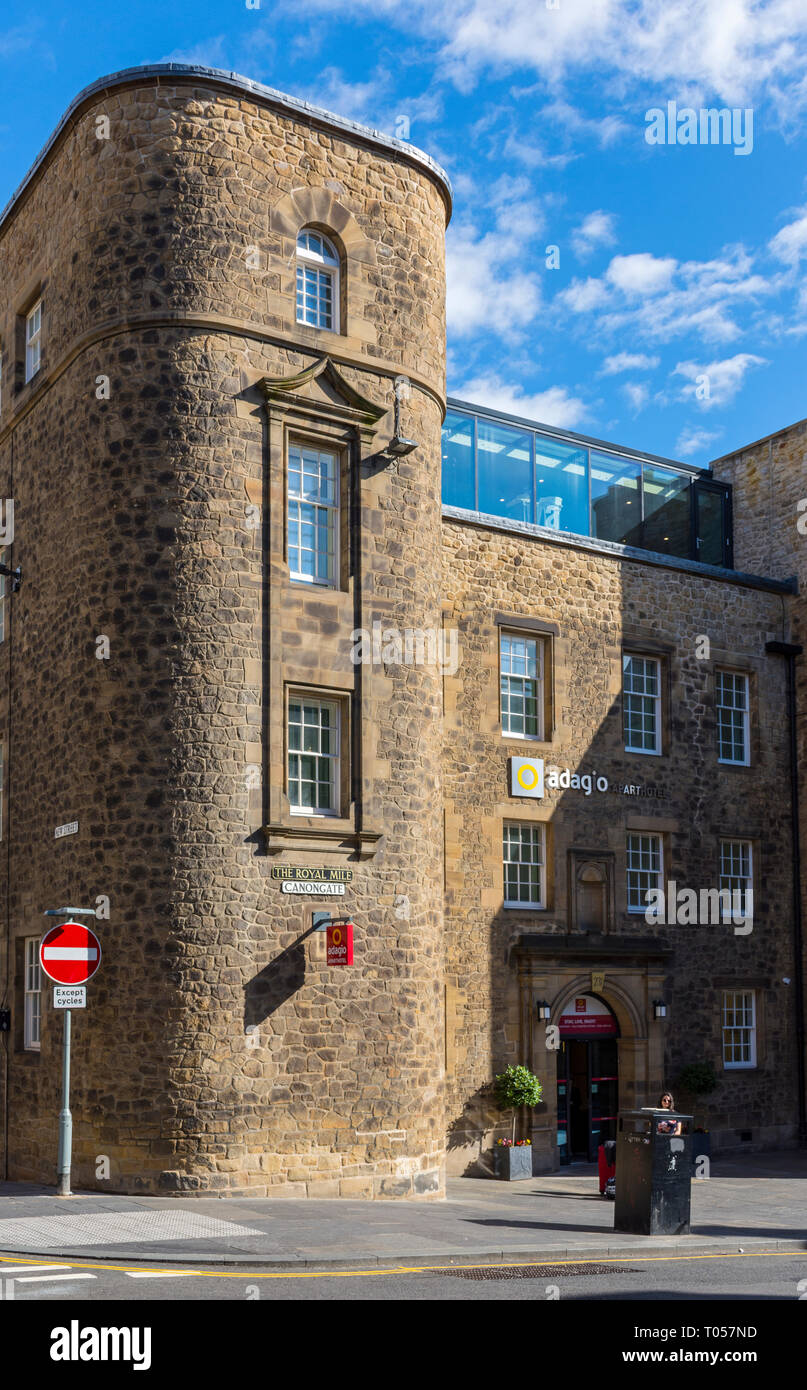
(231, 665)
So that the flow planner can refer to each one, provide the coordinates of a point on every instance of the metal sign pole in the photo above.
(65, 1155)
(65, 1118)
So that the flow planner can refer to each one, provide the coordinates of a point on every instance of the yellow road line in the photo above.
(438, 1269)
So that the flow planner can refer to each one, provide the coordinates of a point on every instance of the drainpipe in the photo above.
(788, 650)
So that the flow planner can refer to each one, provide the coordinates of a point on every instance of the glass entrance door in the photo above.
(604, 1093)
(588, 1097)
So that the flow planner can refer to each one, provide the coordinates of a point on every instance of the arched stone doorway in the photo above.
(623, 977)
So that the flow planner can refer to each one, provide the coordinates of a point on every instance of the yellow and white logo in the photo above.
(527, 777)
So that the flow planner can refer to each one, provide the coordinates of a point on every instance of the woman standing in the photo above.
(666, 1102)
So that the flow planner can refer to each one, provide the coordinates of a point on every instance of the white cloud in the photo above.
(735, 50)
(581, 296)
(655, 299)
(641, 273)
(716, 383)
(636, 394)
(597, 229)
(488, 284)
(555, 406)
(694, 441)
(790, 243)
(628, 362)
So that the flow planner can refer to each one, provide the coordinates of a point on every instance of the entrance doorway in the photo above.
(588, 1079)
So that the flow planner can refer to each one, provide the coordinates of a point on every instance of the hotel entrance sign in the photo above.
(584, 1016)
(527, 777)
(339, 943)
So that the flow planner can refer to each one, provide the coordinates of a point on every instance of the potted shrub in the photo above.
(515, 1087)
(698, 1079)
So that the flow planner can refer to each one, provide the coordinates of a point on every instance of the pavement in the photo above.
(750, 1202)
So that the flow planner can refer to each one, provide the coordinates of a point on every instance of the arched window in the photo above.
(317, 281)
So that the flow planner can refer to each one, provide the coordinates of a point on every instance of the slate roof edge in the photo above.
(189, 72)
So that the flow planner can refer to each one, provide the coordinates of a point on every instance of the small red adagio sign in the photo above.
(340, 943)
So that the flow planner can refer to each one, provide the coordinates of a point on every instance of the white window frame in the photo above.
(33, 341)
(32, 1010)
(537, 831)
(733, 1027)
(312, 263)
(334, 758)
(509, 635)
(745, 761)
(312, 510)
(744, 882)
(654, 700)
(658, 875)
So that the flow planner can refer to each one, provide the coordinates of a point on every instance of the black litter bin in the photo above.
(653, 1172)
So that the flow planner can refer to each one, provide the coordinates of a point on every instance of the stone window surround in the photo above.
(735, 667)
(324, 440)
(634, 912)
(547, 848)
(742, 840)
(635, 643)
(342, 700)
(317, 209)
(348, 423)
(31, 962)
(643, 691)
(761, 986)
(728, 1069)
(548, 632)
(33, 295)
(334, 272)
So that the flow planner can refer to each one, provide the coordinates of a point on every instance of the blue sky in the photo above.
(676, 319)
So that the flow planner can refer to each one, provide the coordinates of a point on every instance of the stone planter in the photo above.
(513, 1163)
(701, 1147)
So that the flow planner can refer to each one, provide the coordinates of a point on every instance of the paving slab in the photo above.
(749, 1203)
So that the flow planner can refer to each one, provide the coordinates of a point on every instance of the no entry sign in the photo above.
(340, 943)
(70, 954)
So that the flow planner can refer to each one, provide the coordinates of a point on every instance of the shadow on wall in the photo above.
(276, 983)
(473, 1131)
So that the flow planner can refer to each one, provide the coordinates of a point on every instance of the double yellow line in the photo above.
(627, 1258)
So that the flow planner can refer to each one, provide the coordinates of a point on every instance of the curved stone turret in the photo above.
(149, 463)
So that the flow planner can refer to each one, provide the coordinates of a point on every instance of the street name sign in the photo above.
(70, 954)
(306, 874)
(69, 996)
(313, 890)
